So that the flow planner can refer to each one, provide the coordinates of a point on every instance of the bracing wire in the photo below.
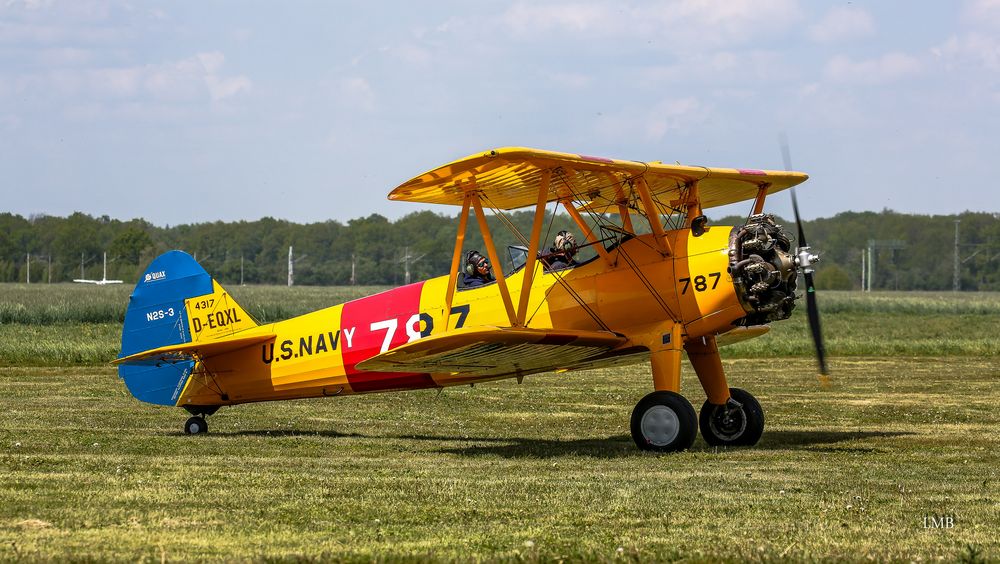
(600, 220)
(569, 289)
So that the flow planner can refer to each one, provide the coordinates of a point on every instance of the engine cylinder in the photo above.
(762, 266)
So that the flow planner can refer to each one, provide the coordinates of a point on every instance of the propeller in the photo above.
(805, 260)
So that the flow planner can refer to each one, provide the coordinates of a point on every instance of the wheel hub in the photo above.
(728, 422)
(660, 425)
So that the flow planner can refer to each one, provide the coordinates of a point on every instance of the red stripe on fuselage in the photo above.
(370, 320)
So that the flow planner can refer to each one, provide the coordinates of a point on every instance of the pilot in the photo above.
(477, 270)
(561, 254)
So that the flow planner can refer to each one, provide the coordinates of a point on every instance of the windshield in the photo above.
(518, 257)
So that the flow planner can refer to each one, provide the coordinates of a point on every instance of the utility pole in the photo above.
(406, 260)
(892, 244)
(241, 270)
(27, 276)
(863, 288)
(291, 265)
(354, 280)
(956, 282)
(871, 265)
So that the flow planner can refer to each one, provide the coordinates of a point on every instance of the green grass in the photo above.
(48, 304)
(40, 325)
(545, 470)
(541, 471)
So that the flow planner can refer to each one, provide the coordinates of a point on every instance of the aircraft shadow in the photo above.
(822, 441)
(507, 447)
(615, 446)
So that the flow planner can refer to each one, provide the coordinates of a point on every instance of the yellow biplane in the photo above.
(660, 283)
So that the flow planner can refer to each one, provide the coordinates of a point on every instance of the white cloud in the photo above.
(29, 5)
(534, 18)
(820, 107)
(64, 56)
(887, 68)
(979, 50)
(410, 54)
(115, 83)
(221, 88)
(842, 22)
(357, 92)
(720, 67)
(195, 78)
(983, 12)
(672, 115)
(191, 78)
(667, 24)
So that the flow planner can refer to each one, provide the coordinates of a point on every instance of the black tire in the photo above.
(664, 422)
(195, 425)
(739, 427)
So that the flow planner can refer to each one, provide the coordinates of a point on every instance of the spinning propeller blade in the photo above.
(805, 261)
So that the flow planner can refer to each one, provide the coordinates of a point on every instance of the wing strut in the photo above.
(758, 203)
(693, 204)
(568, 204)
(536, 234)
(653, 215)
(456, 257)
(484, 228)
(623, 210)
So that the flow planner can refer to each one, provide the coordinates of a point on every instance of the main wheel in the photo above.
(196, 425)
(664, 422)
(732, 425)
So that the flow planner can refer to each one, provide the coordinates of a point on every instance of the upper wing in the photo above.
(495, 351)
(510, 177)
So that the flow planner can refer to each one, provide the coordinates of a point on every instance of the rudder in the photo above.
(174, 302)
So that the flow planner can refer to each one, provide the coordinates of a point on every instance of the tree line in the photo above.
(910, 252)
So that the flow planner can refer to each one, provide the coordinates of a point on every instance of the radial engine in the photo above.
(764, 269)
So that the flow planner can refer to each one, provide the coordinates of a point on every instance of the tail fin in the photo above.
(175, 302)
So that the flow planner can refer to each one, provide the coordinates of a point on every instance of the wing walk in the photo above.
(495, 351)
(509, 178)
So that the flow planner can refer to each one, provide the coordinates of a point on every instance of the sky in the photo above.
(186, 112)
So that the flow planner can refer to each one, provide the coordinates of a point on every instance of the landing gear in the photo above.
(664, 422)
(196, 425)
(738, 423)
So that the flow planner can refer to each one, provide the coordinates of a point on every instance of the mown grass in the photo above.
(40, 325)
(539, 471)
(49, 304)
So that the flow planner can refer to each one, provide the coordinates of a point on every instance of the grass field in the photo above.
(905, 437)
(67, 324)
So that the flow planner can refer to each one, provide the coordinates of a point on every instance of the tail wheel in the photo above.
(195, 426)
(664, 422)
(738, 423)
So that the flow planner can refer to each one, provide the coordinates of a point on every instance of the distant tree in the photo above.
(833, 277)
(129, 244)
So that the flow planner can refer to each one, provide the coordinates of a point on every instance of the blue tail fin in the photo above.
(157, 317)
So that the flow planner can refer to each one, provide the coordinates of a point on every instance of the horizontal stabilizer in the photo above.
(188, 351)
(495, 351)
